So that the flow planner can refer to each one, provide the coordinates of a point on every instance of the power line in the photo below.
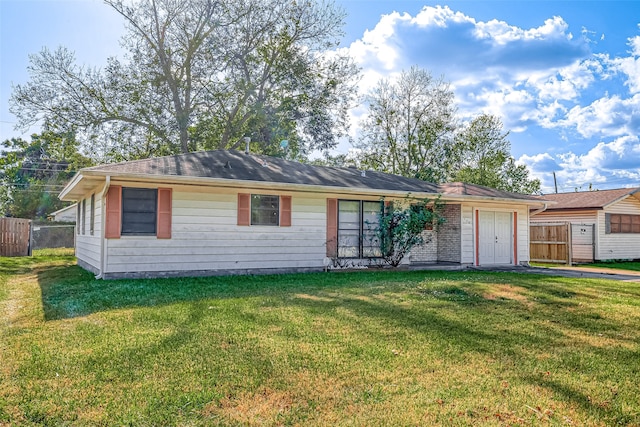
(47, 170)
(27, 185)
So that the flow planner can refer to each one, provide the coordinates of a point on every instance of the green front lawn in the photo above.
(361, 349)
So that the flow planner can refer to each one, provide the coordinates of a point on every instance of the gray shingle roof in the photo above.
(236, 165)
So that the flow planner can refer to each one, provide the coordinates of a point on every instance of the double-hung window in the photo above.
(265, 209)
(139, 211)
(358, 223)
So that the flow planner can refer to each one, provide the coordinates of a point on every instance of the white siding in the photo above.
(469, 232)
(88, 246)
(523, 235)
(205, 236)
(467, 238)
(618, 245)
(67, 214)
(575, 217)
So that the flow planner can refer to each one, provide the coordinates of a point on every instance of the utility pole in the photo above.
(555, 182)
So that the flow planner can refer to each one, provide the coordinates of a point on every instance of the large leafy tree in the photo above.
(409, 127)
(412, 130)
(200, 74)
(33, 173)
(484, 158)
(279, 82)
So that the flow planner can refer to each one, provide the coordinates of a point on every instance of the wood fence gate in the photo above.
(550, 242)
(15, 237)
(583, 242)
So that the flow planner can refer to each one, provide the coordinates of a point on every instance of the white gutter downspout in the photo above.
(103, 241)
(536, 212)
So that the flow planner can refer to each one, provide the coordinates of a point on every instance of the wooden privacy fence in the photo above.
(15, 237)
(550, 242)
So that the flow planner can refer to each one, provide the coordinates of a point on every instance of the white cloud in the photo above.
(566, 83)
(440, 16)
(501, 33)
(493, 67)
(607, 165)
(630, 66)
(542, 82)
(378, 44)
(609, 116)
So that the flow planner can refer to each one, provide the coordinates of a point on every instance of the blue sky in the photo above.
(564, 76)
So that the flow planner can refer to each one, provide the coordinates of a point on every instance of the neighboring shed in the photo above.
(605, 224)
(227, 212)
(66, 214)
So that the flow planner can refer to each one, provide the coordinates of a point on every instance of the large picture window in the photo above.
(139, 211)
(621, 223)
(358, 223)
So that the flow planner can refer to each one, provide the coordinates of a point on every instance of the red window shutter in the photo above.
(113, 212)
(285, 211)
(244, 209)
(332, 227)
(164, 213)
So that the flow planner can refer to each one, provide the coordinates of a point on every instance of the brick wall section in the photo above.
(428, 251)
(449, 239)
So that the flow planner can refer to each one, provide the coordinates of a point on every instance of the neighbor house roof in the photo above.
(589, 199)
(225, 167)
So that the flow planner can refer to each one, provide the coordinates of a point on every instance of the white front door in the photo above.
(494, 237)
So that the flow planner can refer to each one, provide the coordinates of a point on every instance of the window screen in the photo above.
(621, 223)
(92, 214)
(358, 223)
(139, 211)
(265, 209)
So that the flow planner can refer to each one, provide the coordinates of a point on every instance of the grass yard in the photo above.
(348, 349)
(622, 265)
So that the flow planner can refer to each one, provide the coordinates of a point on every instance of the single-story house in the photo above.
(66, 214)
(605, 224)
(229, 212)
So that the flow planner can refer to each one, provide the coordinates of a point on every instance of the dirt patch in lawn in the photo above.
(504, 291)
(252, 409)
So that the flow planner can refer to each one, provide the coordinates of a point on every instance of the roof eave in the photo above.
(234, 183)
(467, 198)
(619, 199)
(70, 186)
